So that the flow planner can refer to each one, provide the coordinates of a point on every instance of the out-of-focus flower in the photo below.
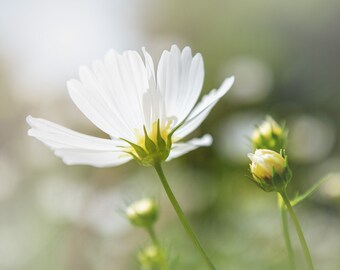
(152, 257)
(146, 115)
(143, 213)
(254, 79)
(269, 135)
(269, 169)
(312, 138)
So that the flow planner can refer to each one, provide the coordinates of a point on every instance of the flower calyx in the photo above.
(153, 148)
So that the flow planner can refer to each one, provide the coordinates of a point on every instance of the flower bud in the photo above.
(143, 213)
(151, 257)
(269, 169)
(269, 135)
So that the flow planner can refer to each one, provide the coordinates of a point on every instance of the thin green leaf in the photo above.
(299, 198)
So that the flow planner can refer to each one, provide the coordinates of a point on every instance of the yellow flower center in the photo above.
(152, 147)
(153, 134)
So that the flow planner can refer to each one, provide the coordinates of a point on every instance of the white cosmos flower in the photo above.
(146, 114)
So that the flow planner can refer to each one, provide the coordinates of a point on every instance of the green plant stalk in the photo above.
(154, 239)
(153, 236)
(287, 237)
(298, 230)
(182, 217)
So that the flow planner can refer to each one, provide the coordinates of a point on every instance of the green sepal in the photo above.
(135, 158)
(262, 184)
(160, 141)
(169, 143)
(149, 144)
(139, 150)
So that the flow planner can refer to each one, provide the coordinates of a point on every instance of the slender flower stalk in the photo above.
(286, 235)
(182, 217)
(153, 235)
(155, 242)
(302, 239)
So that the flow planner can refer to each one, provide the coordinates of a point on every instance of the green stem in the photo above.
(182, 217)
(298, 230)
(154, 239)
(287, 237)
(153, 236)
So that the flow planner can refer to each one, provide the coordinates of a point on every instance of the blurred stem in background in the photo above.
(181, 216)
(303, 242)
(162, 261)
(286, 235)
(153, 236)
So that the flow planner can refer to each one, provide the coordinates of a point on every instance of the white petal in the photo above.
(180, 79)
(129, 81)
(111, 95)
(201, 111)
(152, 102)
(179, 149)
(96, 159)
(149, 67)
(95, 110)
(77, 148)
(251, 156)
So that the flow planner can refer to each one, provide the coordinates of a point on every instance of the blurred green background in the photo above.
(285, 57)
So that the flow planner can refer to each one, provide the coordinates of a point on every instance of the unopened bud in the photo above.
(269, 135)
(143, 213)
(269, 169)
(152, 257)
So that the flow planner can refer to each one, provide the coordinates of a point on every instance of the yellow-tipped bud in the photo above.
(143, 213)
(269, 135)
(264, 162)
(269, 169)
